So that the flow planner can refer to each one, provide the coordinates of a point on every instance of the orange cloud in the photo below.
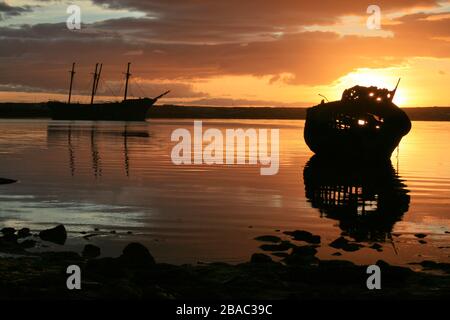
(189, 41)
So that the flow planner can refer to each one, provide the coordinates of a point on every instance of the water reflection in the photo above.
(366, 198)
(93, 134)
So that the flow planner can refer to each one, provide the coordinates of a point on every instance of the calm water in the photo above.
(117, 176)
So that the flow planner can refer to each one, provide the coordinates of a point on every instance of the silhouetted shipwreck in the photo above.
(126, 110)
(364, 123)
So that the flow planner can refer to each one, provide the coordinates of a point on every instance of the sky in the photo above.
(227, 53)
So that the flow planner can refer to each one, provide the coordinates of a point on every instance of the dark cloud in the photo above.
(237, 20)
(7, 10)
(184, 40)
(423, 26)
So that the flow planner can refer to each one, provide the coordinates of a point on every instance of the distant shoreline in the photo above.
(40, 110)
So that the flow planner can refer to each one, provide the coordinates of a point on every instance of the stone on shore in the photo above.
(28, 244)
(260, 258)
(8, 231)
(304, 255)
(301, 235)
(283, 246)
(344, 244)
(90, 251)
(377, 246)
(23, 233)
(135, 254)
(268, 238)
(56, 235)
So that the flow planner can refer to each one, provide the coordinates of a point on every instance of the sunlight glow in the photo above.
(381, 78)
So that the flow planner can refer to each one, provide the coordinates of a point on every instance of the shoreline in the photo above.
(40, 110)
(136, 275)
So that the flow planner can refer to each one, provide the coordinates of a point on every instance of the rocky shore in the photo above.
(136, 275)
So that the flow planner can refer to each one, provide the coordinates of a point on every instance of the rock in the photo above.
(113, 231)
(135, 254)
(336, 264)
(28, 244)
(301, 235)
(280, 254)
(96, 229)
(352, 247)
(273, 239)
(428, 264)
(304, 255)
(376, 246)
(7, 181)
(7, 231)
(344, 244)
(339, 242)
(90, 251)
(260, 258)
(420, 235)
(23, 233)
(283, 246)
(9, 244)
(304, 251)
(129, 232)
(56, 235)
(393, 274)
(422, 242)
(337, 254)
(10, 237)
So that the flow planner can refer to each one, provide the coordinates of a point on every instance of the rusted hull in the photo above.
(335, 132)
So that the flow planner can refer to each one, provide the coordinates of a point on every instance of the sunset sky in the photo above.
(227, 53)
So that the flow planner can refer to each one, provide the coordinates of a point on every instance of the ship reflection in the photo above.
(366, 199)
(81, 136)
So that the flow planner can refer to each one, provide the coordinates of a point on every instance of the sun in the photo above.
(381, 78)
(401, 97)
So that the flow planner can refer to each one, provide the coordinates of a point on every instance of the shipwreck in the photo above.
(364, 123)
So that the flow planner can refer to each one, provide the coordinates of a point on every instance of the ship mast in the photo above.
(395, 90)
(127, 77)
(98, 78)
(71, 82)
(94, 84)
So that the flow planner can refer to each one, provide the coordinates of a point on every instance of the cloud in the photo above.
(182, 42)
(214, 22)
(7, 10)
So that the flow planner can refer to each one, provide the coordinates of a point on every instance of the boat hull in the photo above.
(333, 130)
(128, 110)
